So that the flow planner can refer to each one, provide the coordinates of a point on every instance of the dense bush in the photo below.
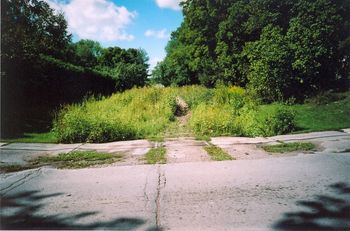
(42, 68)
(232, 112)
(136, 113)
(265, 120)
(148, 112)
(213, 120)
(279, 48)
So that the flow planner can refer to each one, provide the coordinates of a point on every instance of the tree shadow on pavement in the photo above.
(20, 211)
(323, 213)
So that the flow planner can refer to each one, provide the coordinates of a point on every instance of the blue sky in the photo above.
(143, 24)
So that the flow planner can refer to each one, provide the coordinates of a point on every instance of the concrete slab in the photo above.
(252, 195)
(346, 130)
(20, 157)
(39, 147)
(259, 140)
(133, 147)
(308, 136)
(238, 140)
(232, 195)
(133, 151)
(115, 198)
(244, 151)
(335, 144)
(21, 153)
(181, 150)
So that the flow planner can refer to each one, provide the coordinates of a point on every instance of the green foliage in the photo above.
(156, 156)
(217, 153)
(231, 112)
(269, 73)
(41, 65)
(213, 120)
(87, 52)
(280, 49)
(149, 112)
(289, 147)
(325, 98)
(233, 96)
(266, 120)
(136, 113)
(128, 67)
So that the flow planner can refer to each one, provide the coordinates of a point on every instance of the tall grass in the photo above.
(232, 112)
(149, 111)
(136, 113)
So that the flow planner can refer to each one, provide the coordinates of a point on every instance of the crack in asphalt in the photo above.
(76, 148)
(21, 181)
(161, 185)
(145, 195)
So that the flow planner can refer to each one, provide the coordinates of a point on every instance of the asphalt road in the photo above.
(306, 191)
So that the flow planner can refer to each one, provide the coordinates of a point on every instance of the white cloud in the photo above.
(153, 62)
(172, 4)
(160, 34)
(99, 20)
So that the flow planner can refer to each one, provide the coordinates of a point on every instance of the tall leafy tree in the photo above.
(127, 66)
(230, 41)
(87, 52)
(29, 30)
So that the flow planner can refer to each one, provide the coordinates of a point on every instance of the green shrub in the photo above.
(213, 120)
(325, 98)
(193, 95)
(133, 114)
(267, 120)
(150, 111)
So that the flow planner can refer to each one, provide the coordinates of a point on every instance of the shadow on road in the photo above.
(323, 213)
(20, 212)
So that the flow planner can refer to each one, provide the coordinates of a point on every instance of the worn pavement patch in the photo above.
(181, 150)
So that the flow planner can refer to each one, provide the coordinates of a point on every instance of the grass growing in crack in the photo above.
(78, 159)
(156, 138)
(15, 168)
(203, 138)
(289, 147)
(156, 156)
(217, 153)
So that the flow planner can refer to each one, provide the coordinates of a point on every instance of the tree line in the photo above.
(277, 49)
(41, 67)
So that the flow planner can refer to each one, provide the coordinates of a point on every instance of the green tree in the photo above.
(29, 30)
(218, 41)
(269, 72)
(127, 66)
(314, 36)
(87, 53)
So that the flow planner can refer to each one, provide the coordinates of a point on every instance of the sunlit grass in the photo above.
(47, 137)
(156, 156)
(77, 159)
(217, 153)
(289, 147)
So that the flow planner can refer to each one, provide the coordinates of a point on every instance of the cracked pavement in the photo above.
(289, 192)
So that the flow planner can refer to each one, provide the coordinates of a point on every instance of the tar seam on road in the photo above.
(161, 184)
(21, 181)
(145, 195)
